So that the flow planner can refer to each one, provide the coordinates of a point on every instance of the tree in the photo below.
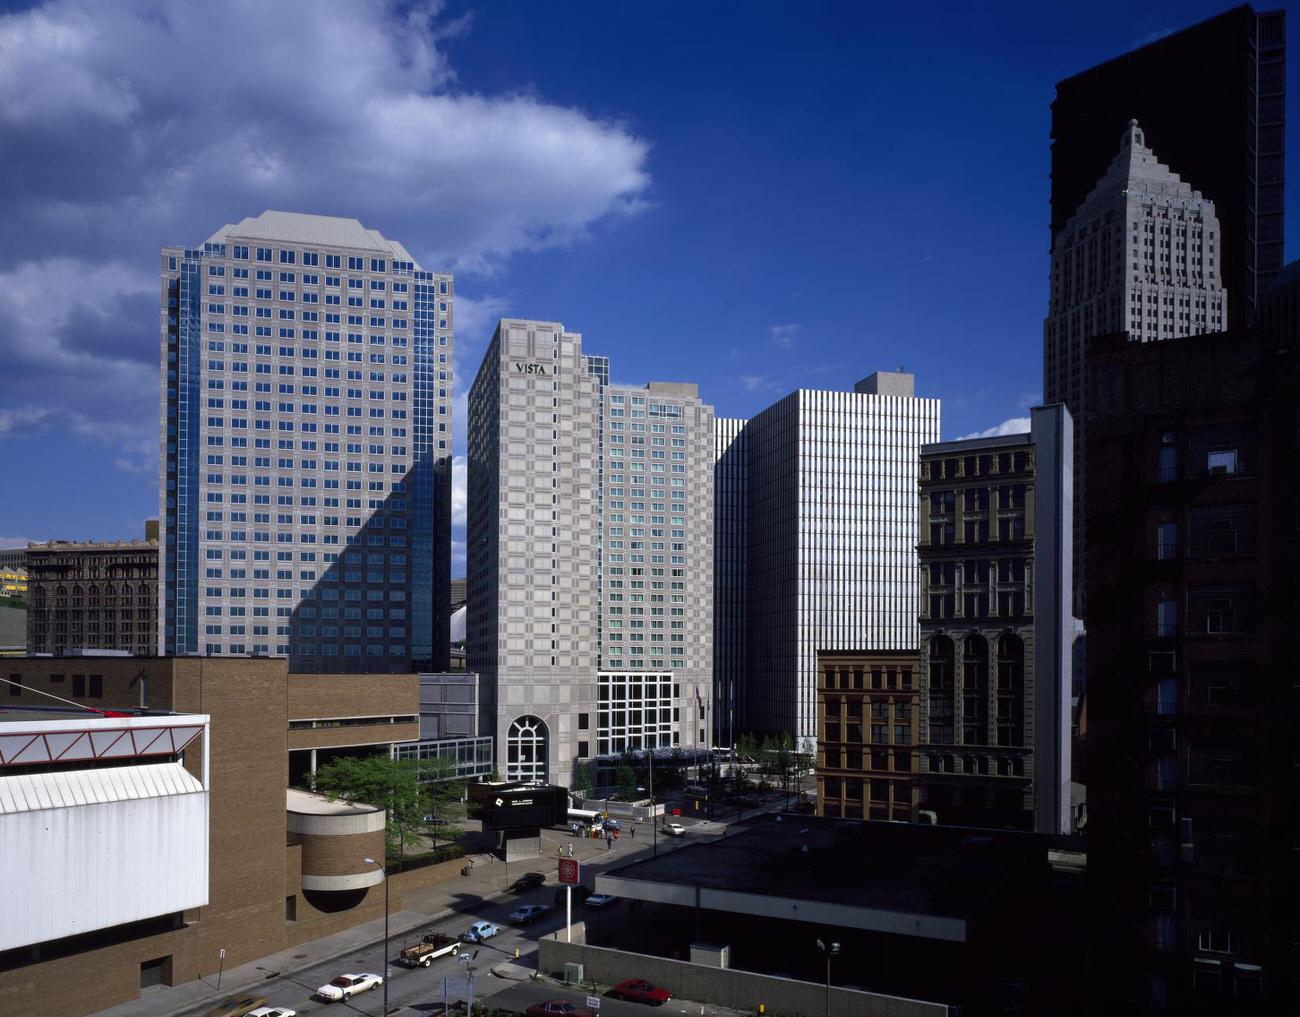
(390, 784)
(582, 787)
(625, 777)
(444, 796)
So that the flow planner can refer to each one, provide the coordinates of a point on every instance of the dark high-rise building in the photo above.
(1212, 98)
(1193, 539)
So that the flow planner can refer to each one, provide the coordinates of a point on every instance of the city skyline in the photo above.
(641, 216)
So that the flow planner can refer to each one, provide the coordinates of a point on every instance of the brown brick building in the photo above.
(1193, 686)
(93, 595)
(279, 873)
(868, 712)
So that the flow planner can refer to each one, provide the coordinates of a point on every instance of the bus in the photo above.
(586, 818)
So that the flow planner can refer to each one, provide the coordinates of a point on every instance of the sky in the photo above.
(753, 196)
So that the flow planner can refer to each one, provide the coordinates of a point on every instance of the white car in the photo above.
(674, 829)
(347, 986)
(271, 1011)
(599, 900)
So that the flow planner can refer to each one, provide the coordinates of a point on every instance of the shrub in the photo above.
(444, 853)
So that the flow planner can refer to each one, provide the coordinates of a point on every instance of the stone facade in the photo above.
(996, 630)
(93, 595)
(590, 557)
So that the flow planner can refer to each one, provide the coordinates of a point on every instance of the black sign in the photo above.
(514, 807)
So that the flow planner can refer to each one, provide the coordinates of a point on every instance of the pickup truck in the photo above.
(431, 946)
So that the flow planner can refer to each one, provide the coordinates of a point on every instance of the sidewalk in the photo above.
(420, 907)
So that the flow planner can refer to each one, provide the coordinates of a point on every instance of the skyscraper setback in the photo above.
(305, 489)
(1211, 99)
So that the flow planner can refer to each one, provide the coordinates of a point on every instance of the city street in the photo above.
(420, 990)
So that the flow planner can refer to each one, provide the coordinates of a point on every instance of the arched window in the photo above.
(526, 750)
(1011, 690)
(942, 706)
(975, 691)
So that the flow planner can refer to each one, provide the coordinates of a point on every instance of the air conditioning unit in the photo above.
(573, 973)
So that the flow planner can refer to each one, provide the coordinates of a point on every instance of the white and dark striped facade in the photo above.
(830, 541)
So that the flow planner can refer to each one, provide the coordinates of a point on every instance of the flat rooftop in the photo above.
(889, 877)
(306, 803)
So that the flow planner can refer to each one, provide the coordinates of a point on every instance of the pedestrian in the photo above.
(570, 849)
(609, 843)
(616, 834)
(471, 865)
(633, 833)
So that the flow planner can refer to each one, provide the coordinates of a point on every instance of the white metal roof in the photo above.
(34, 792)
(300, 228)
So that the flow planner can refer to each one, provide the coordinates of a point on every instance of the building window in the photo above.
(942, 706)
(1166, 541)
(526, 745)
(975, 690)
(1011, 690)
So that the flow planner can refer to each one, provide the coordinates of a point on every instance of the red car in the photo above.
(557, 1008)
(640, 991)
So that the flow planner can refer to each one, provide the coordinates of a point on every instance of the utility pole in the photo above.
(654, 821)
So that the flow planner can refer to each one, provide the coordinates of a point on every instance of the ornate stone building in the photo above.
(93, 595)
(996, 628)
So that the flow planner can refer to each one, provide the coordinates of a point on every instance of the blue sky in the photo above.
(753, 196)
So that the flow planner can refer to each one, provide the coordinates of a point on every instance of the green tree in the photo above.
(390, 784)
(582, 787)
(444, 796)
(625, 777)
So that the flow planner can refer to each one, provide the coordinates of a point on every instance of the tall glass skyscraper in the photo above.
(306, 447)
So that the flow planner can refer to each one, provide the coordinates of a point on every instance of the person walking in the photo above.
(633, 833)
(609, 843)
(570, 849)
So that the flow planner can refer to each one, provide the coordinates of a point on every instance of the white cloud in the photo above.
(783, 336)
(12, 542)
(758, 383)
(139, 124)
(459, 501)
(1015, 425)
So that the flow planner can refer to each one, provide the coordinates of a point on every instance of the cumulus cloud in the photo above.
(1015, 425)
(131, 126)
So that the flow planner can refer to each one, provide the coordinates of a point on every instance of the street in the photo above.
(421, 989)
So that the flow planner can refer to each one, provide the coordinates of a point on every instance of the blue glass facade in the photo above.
(184, 353)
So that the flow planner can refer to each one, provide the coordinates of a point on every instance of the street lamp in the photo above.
(384, 868)
(831, 950)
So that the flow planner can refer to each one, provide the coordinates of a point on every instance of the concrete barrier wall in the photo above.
(740, 990)
(637, 811)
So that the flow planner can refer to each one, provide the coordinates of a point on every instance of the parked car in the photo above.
(599, 900)
(674, 829)
(347, 986)
(236, 1006)
(272, 1011)
(557, 1008)
(479, 932)
(528, 914)
(431, 946)
(638, 990)
(528, 881)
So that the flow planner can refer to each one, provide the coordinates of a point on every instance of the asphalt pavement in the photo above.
(289, 979)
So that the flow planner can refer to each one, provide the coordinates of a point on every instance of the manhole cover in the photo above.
(299, 956)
